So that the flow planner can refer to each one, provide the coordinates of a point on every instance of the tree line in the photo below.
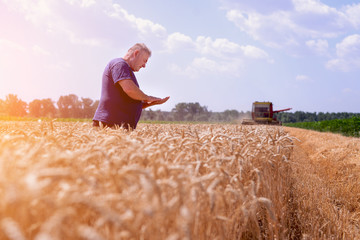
(300, 116)
(71, 106)
(194, 112)
(68, 106)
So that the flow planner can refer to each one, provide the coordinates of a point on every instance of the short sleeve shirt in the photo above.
(115, 106)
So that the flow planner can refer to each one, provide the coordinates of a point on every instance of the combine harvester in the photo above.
(263, 113)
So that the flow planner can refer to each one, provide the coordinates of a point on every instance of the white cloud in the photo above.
(34, 11)
(40, 51)
(205, 64)
(82, 3)
(274, 30)
(218, 47)
(260, 6)
(143, 25)
(349, 47)
(179, 41)
(347, 90)
(83, 41)
(225, 49)
(337, 64)
(60, 66)
(352, 13)
(7, 44)
(52, 16)
(348, 54)
(290, 27)
(216, 56)
(255, 53)
(312, 6)
(202, 66)
(302, 78)
(188, 72)
(319, 46)
(84, 26)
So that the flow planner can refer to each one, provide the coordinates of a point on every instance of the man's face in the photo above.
(140, 61)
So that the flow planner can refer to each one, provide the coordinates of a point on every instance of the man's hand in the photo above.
(151, 99)
(159, 101)
(155, 101)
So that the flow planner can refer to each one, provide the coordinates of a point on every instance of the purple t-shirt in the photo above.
(115, 106)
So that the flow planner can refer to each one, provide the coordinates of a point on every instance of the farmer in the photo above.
(121, 100)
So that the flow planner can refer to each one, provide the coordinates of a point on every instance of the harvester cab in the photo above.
(263, 113)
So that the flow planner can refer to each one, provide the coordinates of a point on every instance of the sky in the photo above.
(223, 54)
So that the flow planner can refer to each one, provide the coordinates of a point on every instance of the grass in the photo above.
(346, 127)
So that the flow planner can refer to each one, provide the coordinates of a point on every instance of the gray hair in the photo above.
(141, 47)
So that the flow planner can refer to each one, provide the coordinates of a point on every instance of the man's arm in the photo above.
(135, 93)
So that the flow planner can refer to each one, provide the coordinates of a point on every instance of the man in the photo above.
(121, 100)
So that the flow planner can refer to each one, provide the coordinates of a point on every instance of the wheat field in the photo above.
(163, 181)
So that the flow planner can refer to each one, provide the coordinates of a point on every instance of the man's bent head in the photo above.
(137, 56)
(141, 47)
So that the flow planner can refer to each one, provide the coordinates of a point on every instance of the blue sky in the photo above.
(224, 54)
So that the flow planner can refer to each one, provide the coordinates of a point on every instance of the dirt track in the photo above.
(326, 175)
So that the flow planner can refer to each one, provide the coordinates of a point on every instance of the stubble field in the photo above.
(173, 181)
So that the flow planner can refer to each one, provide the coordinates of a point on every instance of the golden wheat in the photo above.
(73, 181)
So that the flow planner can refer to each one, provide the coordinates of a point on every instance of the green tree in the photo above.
(69, 106)
(88, 107)
(190, 112)
(95, 106)
(42, 108)
(2, 107)
(299, 116)
(48, 107)
(179, 111)
(160, 116)
(151, 115)
(321, 116)
(230, 115)
(15, 106)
